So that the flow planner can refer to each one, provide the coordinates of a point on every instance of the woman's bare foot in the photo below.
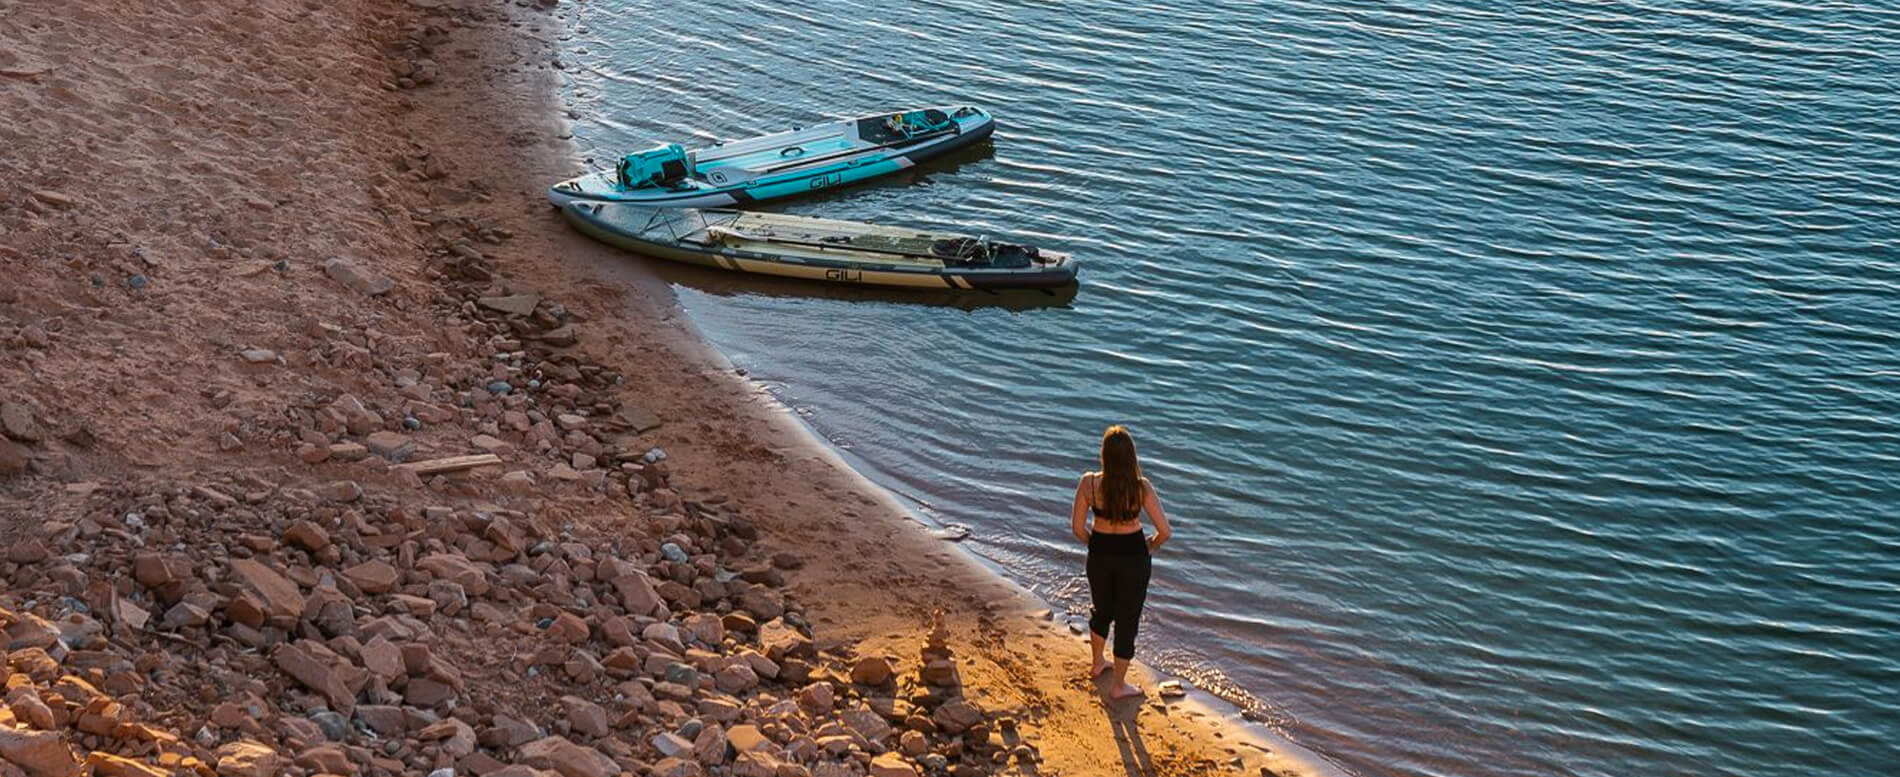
(1101, 665)
(1124, 690)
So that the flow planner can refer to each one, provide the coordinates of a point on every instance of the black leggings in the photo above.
(1118, 583)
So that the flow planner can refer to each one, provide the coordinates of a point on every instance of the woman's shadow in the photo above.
(1124, 720)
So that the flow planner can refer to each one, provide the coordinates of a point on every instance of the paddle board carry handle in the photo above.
(792, 151)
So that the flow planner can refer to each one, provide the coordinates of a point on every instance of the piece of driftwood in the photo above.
(450, 464)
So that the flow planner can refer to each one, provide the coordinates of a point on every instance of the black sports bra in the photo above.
(1094, 484)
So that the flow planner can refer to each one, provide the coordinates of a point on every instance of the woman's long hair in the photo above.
(1121, 474)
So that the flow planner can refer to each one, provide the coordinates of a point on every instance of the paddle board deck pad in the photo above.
(848, 252)
(784, 164)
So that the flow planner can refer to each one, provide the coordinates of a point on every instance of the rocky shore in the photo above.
(328, 450)
(259, 628)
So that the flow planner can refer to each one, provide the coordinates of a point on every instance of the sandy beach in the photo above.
(263, 260)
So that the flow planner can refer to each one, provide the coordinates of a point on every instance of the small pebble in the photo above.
(500, 387)
(411, 422)
(136, 282)
(282, 265)
(674, 553)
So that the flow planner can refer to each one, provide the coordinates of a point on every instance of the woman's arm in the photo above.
(1079, 513)
(1151, 502)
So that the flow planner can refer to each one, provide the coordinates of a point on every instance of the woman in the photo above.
(1118, 565)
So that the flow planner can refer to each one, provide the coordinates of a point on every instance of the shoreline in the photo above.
(1272, 753)
(196, 353)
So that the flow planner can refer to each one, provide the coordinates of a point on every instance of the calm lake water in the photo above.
(1523, 378)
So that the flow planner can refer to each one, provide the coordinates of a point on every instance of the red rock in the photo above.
(416, 657)
(228, 715)
(356, 278)
(816, 698)
(518, 482)
(340, 491)
(709, 747)
(382, 658)
(109, 765)
(246, 758)
(34, 662)
(373, 577)
(570, 759)
(458, 569)
(453, 736)
(762, 602)
(184, 615)
(586, 717)
(519, 770)
(16, 420)
(28, 551)
(509, 731)
(636, 593)
(868, 724)
(618, 631)
(568, 628)
(892, 765)
(356, 418)
(315, 674)
(307, 535)
(677, 767)
(755, 764)
(152, 570)
(957, 715)
(736, 677)
(747, 737)
(325, 758)
(386, 720)
(348, 451)
(27, 705)
(780, 639)
(426, 693)
(248, 609)
(739, 622)
(513, 304)
(281, 597)
(394, 446)
(130, 615)
(871, 670)
(13, 459)
(102, 715)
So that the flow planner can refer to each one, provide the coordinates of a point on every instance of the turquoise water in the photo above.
(1524, 379)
